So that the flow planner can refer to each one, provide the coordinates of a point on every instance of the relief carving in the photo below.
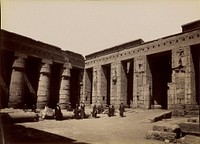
(180, 68)
(114, 77)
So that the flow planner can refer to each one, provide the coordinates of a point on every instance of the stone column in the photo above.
(65, 86)
(16, 90)
(142, 85)
(181, 93)
(96, 88)
(43, 92)
(87, 87)
(116, 83)
(81, 85)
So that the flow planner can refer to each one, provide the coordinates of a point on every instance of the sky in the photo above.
(89, 26)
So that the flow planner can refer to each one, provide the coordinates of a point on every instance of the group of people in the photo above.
(111, 110)
(97, 110)
(79, 111)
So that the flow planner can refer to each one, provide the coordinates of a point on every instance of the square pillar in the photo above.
(116, 83)
(96, 85)
(182, 88)
(142, 86)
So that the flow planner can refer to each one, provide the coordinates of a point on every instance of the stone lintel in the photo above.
(47, 61)
(21, 55)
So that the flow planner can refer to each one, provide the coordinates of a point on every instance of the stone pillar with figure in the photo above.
(116, 83)
(181, 93)
(142, 85)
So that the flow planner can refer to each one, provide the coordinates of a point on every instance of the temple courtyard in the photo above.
(131, 129)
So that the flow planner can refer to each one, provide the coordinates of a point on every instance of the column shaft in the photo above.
(64, 93)
(43, 86)
(16, 90)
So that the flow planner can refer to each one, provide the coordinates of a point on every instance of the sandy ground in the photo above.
(130, 129)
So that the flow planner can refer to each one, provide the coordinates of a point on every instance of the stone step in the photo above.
(190, 128)
(159, 135)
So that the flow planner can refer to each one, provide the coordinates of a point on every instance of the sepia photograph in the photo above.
(100, 72)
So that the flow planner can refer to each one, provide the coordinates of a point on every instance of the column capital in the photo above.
(45, 69)
(19, 63)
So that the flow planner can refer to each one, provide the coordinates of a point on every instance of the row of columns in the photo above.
(181, 88)
(17, 83)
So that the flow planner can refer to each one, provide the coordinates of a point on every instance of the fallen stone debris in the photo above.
(183, 132)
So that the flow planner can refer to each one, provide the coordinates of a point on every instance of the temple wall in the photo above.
(181, 87)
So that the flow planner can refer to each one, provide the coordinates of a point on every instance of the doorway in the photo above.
(33, 73)
(106, 84)
(160, 66)
(127, 80)
(196, 61)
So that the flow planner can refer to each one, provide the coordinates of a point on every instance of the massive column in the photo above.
(65, 86)
(16, 90)
(142, 88)
(181, 93)
(43, 92)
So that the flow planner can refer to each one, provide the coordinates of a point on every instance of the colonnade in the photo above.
(180, 88)
(42, 95)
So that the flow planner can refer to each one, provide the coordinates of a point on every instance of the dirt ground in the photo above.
(130, 129)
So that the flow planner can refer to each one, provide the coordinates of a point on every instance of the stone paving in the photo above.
(131, 129)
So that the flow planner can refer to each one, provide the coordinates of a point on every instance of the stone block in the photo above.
(192, 113)
(165, 115)
(167, 127)
(21, 116)
(194, 119)
(190, 128)
(178, 112)
(192, 107)
(189, 139)
(158, 135)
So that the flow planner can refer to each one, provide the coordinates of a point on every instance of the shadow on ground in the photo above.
(16, 134)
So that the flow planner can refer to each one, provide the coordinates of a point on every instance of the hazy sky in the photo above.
(89, 26)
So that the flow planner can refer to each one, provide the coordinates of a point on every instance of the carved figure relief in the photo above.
(139, 65)
(180, 55)
(114, 77)
(179, 61)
